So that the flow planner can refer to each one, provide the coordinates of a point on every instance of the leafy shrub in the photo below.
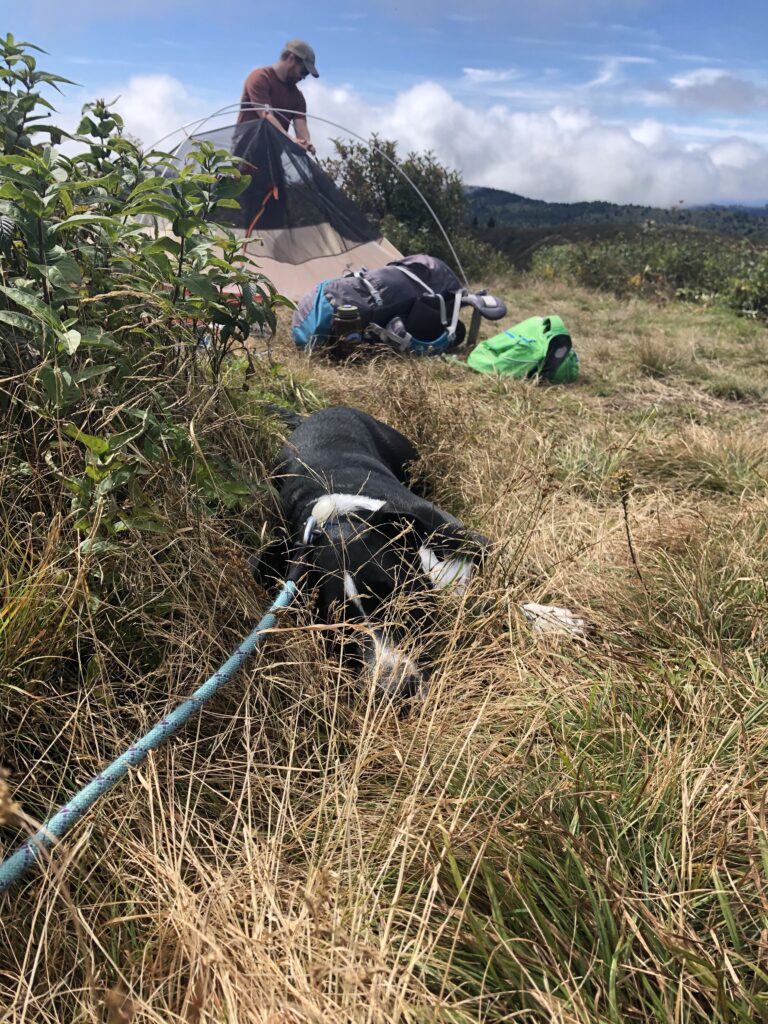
(101, 312)
(687, 265)
(368, 173)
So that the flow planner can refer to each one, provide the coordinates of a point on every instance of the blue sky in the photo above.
(630, 100)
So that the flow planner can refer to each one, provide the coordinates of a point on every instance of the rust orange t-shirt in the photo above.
(263, 86)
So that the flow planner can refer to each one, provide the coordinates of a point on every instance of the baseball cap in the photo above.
(305, 53)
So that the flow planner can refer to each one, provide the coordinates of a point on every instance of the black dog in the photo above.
(362, 538)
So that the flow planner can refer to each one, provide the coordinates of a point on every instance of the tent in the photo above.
(306, 229)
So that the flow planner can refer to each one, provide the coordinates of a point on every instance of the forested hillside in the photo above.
(495, 208)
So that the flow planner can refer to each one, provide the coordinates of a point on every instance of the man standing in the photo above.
(276, 86)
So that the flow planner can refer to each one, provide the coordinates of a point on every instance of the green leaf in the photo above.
(30, 161)
(31, 203)
(96, 337)
(124, 437)
(186, 226)
(114, 479)
(201, 285)
(97, 445)
(97, 471)
(46, 76)
(229, 188)
(89, 183)
(66, 202)
(149, 185)
(64, 272)
(151, 207)
(59, 386)
(144, 415)
(7, 231)
(86, 127)
(164, 244)
(80, 220)
(95, 546)
(20, 320)
(35, 305)
(91, 371)
(142, 523)
(10, 191)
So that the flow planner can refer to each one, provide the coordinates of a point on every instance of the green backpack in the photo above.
(537, 347)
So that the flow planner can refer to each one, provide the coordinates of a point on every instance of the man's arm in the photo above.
(267, 115)
(302, 134)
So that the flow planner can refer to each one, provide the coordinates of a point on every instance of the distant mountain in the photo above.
(491, 208)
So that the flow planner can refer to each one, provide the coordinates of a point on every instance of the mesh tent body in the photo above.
(306, 229)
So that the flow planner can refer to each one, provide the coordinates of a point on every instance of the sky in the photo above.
(656, 102)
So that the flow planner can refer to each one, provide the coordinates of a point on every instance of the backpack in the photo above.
(412, 304)
(537, 347)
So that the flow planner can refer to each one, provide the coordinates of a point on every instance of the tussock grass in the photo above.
(565, 830)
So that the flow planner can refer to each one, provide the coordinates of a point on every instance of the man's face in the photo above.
(297, 71)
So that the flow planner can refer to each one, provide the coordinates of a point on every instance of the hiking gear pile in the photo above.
(412, 305)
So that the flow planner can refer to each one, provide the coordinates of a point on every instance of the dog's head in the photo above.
(374, 570)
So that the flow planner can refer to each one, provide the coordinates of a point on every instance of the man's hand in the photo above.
(306, 145)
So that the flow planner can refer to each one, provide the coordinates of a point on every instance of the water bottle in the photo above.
(346, 331)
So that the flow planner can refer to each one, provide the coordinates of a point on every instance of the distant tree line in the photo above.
(490, 208)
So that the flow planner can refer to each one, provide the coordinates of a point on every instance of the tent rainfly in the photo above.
(306, 229)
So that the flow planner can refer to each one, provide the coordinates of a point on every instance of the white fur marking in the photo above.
(353, 594)
(342, 505)
(451, 572)
(391, 668)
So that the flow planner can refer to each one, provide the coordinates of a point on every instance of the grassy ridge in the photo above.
(566, 831)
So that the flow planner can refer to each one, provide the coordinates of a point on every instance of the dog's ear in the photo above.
(270, 565)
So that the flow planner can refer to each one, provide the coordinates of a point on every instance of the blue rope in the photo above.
(56, 827)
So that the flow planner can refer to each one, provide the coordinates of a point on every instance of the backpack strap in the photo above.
(454, 320)
(362, 275)
(414, 277)
(401, 341)
(455, 317)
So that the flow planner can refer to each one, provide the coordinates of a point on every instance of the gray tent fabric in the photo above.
(306, 229)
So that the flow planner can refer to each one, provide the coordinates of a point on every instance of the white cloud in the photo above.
(651, 134)
(702, 76)
(709, 89)
(610, 68)
(564, 152)
(485, 76)
(152, 106)
(737, 155)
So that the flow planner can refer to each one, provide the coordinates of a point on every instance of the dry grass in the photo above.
(565, 831)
